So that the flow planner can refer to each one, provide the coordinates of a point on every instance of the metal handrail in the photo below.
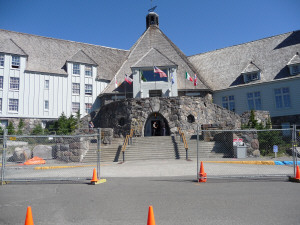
(127, 138)
(184, 142)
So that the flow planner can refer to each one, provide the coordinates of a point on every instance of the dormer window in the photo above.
(15, 62)
(76, 69)
(248, 77)
(88, 71)
(294, 69)
(1, 60)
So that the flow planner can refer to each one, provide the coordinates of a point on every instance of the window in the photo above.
(282, 98)
(75, 107)
(150, 76)
(88, 107)
(88, 71)
(88, 89)
(228, 102)
(14, 83)
(15, 63)
(295, 69)
(13, 105)
(1, 82)
(254, 100)
(248, 77)
(0, 104)
(191, 119)
(46, 105)
(1, 60)
(76, 88)
(46, 84)
(76, 69)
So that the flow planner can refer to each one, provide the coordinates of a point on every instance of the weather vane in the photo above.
(152, 8)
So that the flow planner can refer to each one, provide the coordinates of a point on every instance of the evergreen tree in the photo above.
(10, 129)
(38, 129)
(20, 127)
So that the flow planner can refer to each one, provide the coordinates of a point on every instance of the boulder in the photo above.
(256, 153)
(21, 154)
(42, 151)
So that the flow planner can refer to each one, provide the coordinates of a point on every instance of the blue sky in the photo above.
(195, 26)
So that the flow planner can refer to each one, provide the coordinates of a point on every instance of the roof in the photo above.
(154, 43)
(251, 68)
(294, 60)
(49, 55)
(9, 46)
(223, 68)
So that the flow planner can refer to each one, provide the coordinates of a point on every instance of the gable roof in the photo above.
(223, 68)
(49, 55)
(9, 46)
(251, 68)
(154, 42)
(81, 57)
(153, 58)
(294, 60)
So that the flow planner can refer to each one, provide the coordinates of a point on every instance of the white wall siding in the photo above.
(268, 102)
(32, 93)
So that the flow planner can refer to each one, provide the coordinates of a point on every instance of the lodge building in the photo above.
(41, 78)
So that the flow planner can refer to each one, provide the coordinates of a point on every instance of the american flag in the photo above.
(128, 79)
(161, 73)
(195, 80)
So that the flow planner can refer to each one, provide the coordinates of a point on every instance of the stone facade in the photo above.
(184, 112)
(261, 117)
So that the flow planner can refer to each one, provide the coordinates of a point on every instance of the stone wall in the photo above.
(260, 116)
(185, 112)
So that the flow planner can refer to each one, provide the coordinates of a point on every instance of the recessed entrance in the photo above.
(156, 125)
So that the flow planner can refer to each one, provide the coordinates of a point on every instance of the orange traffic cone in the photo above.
(297, 173)
(29, 219)
(202, 174)
(151, 220)
(94, 179)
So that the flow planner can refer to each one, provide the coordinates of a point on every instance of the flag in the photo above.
(195, 80)
(172, 76)
(142, 77)
(161, 73)
(188, 77)
(116, 83)
(128, 79)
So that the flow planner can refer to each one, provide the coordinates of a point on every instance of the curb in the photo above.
(255, 162)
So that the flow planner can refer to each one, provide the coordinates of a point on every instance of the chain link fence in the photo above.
(247, 153)
(49, 157)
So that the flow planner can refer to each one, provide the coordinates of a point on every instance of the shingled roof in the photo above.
(49, 55)
(154, 42)
(223, 68)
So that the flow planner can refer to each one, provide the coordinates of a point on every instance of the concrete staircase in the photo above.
(155, 147)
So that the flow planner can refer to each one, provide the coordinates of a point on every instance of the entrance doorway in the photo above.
(156, 125)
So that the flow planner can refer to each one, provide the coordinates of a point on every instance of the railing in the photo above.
(127, 141)
(183, 139)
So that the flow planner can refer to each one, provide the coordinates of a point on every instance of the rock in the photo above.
(42, 151)
(255, 144)
(21, 154)
(74, 158)
(256, 153)
(64, 147)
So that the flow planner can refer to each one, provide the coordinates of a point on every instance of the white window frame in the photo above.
(75, 107)
(1, 60)
(46, 105)
(88, 107)
(254, 99)
(282, 98)
(1, 82)
(294, 69)
(13, 105)
(228, 102)
(14, 83)
(15, 61)
(76, 88)
(76, 71)
(88, 89)
(88, 71)
(248, 77)
(47, 84)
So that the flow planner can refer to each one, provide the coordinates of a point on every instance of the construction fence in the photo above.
(224, 153)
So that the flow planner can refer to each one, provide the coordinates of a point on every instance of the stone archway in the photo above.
(160, 121)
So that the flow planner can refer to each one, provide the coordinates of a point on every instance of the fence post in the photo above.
(98, 152)
(294, 150)
(3, 155)
(197, 152)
